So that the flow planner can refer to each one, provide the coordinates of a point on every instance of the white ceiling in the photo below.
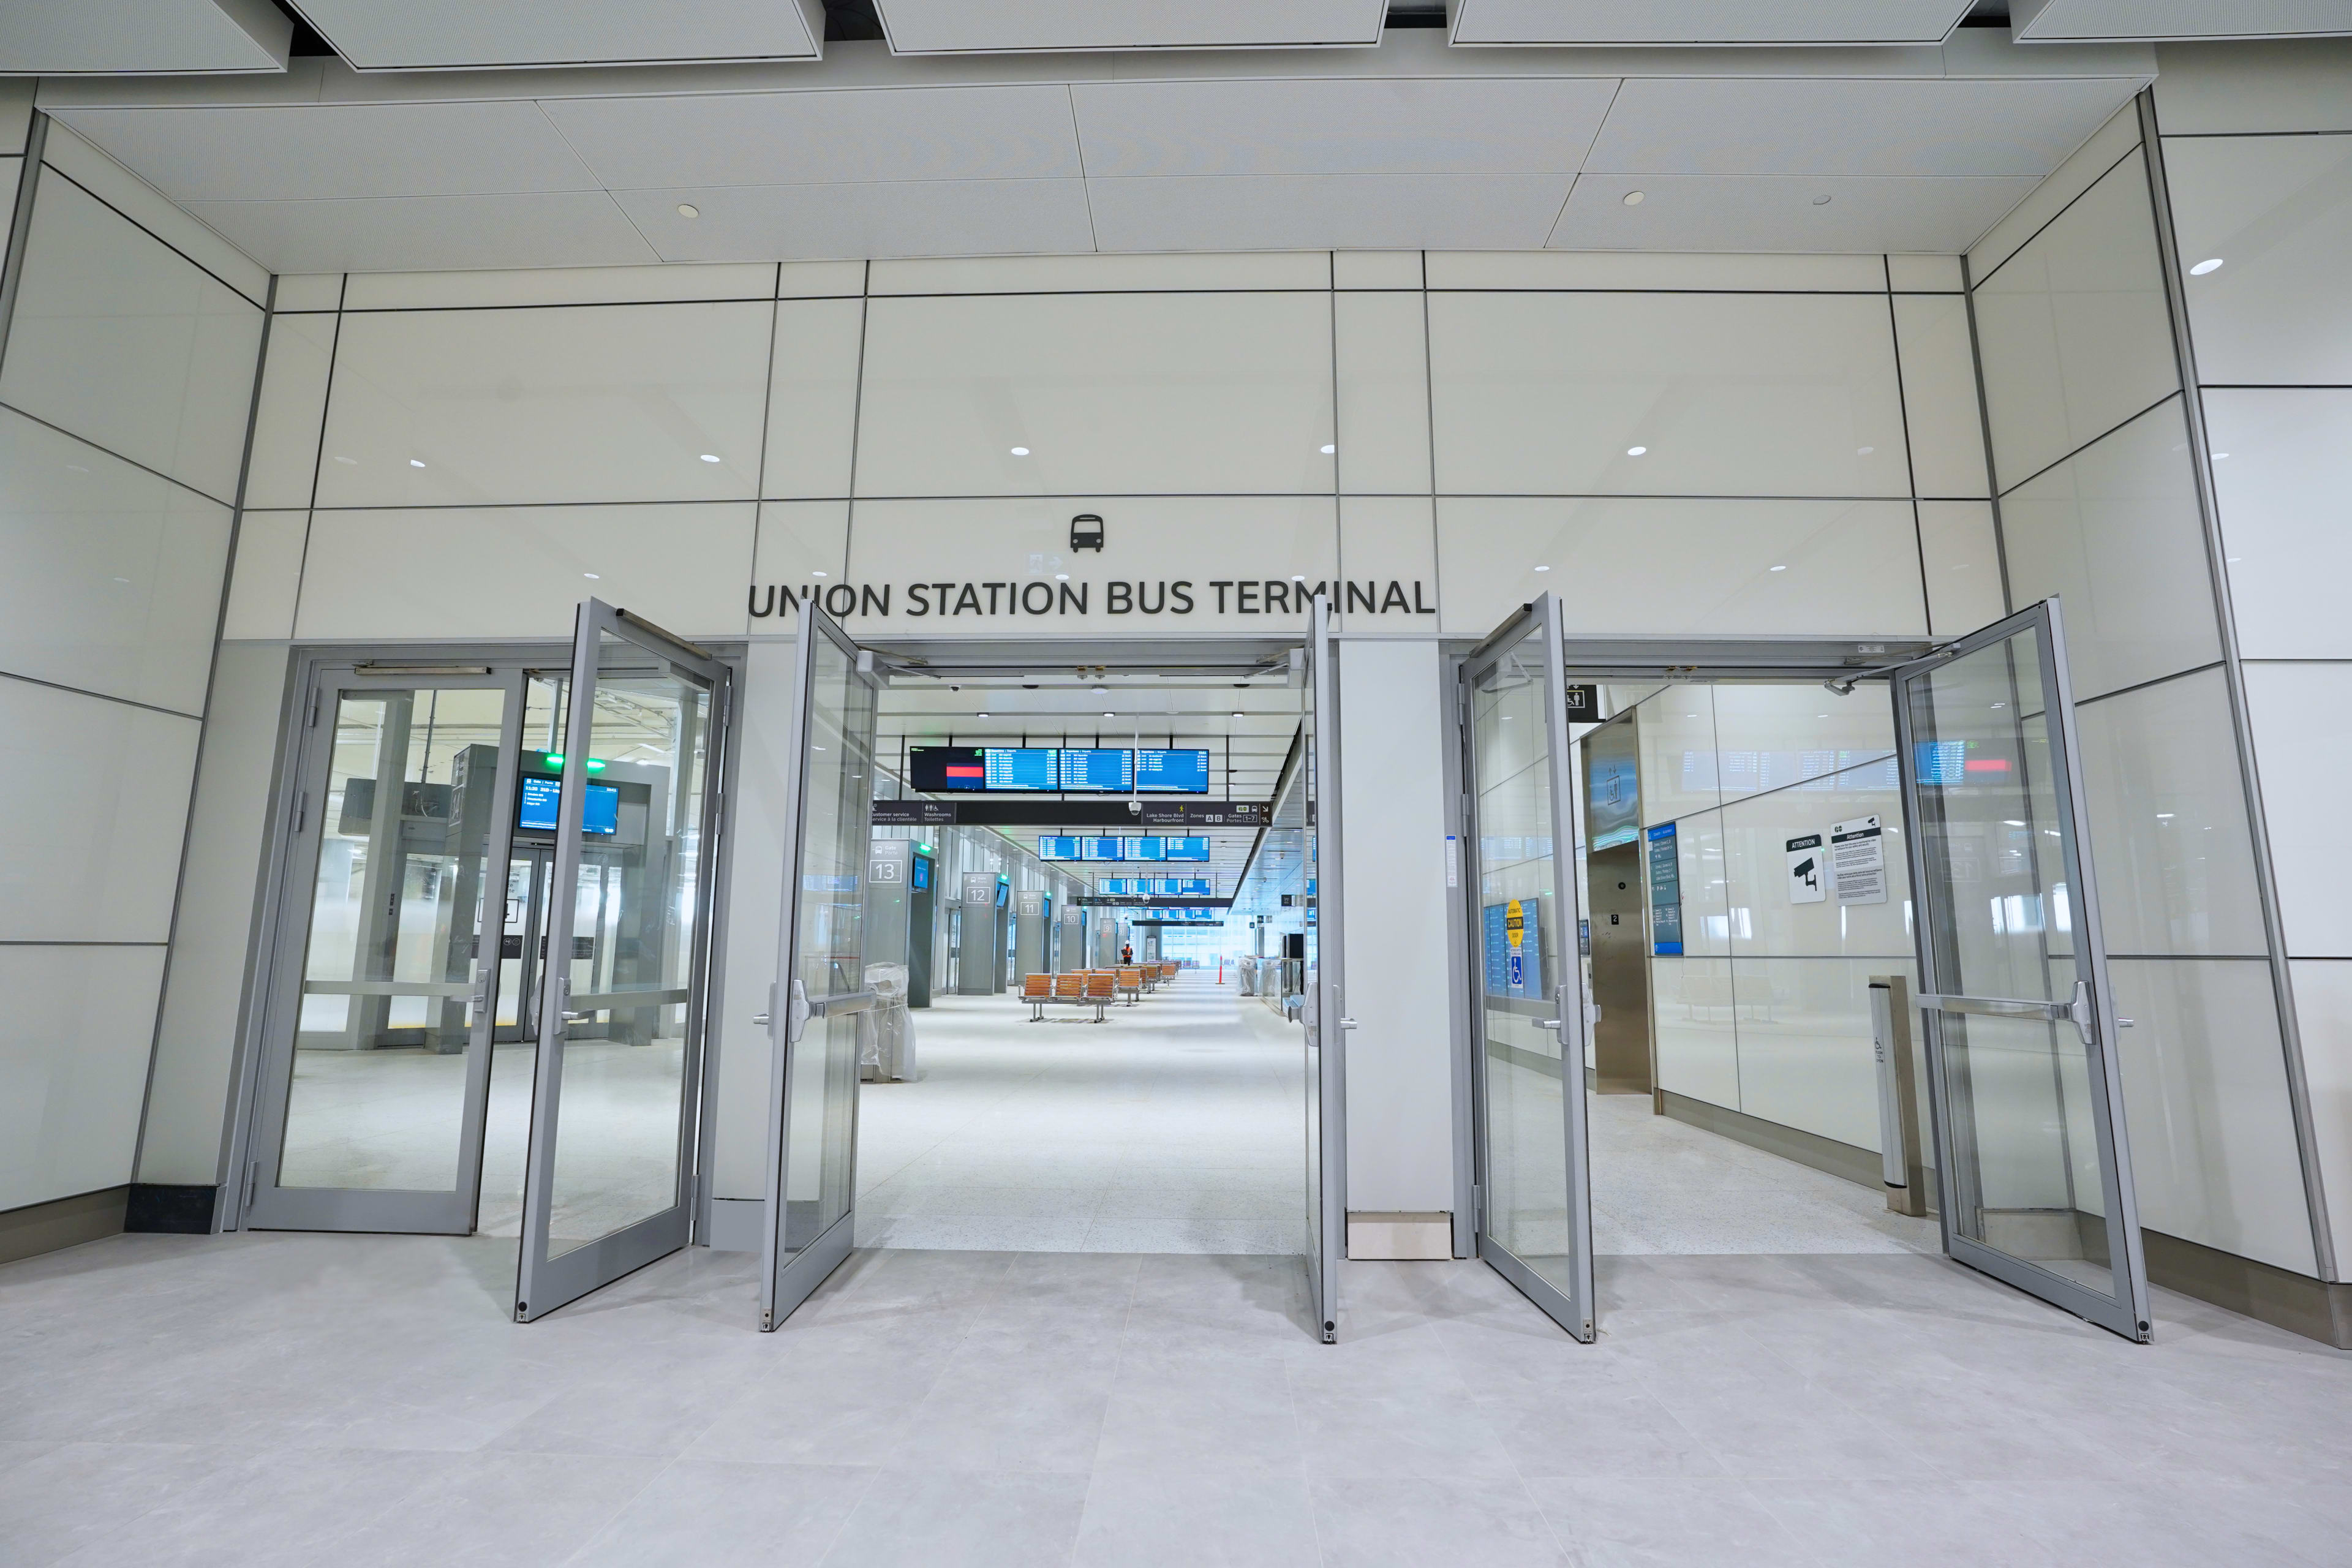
(1706, 21)
(446, 34)
(987, 27)
(2160, 21)
(1412, 146)
(60, 37)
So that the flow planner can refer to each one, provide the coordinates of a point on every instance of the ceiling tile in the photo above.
(1787, 126)
(2162, 21)
(1706, 21)
(1343, 126)
(440, 35)
(814, 138)
(906, 218)
(424, 234)
(1343, 212)
(65, 37)
(964, 27)
(1778, 212)
(302, 153)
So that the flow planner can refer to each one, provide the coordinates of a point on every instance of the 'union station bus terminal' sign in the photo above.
(1039, 598)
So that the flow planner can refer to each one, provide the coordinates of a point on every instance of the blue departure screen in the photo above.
(921, 876)
(1019, 767)
(1099, 849)
(1110, 770)
(1115, 885)
(1147, 849)
(1188, 849)
(542, 795)
(1052, 848)
(1196, 888)
(1181, 772)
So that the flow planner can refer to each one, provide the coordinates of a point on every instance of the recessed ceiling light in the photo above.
(1329, 450)
(1236, 715)
(1061, 576)
(1111, 715)
(1820, 201)
(981, 714)
(1780, 568)
(415, 462)
(1635, 451)
(2210, 263)
(1020, 451)
(2219, 456)
(1543, 568)
(1863, 452)
(1632, 198)
(592, 576)
(687, 209)
(1100, 690)
(353, 461)
(816, 574)
(711, 457)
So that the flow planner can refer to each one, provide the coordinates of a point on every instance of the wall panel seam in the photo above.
(2043, 226)
(158, 238)
(103, 696)
(132, 462)
(2056, 462)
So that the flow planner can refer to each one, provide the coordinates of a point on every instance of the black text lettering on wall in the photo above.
(1036, 597)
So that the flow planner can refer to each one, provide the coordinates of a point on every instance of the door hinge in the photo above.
(1478, 1208)
(301, 809)
(312, 722)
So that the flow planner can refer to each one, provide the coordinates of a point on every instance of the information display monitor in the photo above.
(1099, 849)
(1196, 886)
(1114, 886)
(1102, 771)
(1019, 768)
(1187, 850)
(1146, 848)
(1051, 846)
(950, 770)
(536, 804)
(1183, 771)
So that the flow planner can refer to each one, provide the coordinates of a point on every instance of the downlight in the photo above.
(2210, 263)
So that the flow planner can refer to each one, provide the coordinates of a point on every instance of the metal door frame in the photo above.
(2092, 1012)
(786, 1283)
(542, 1283)
(1579, 1319)
(1328, 1022)
(265, 1204)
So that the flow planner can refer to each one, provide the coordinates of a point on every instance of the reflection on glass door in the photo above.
(1535, 1183)
(821, 984)
(2027, 1097)
(378, 1030)
(628, 805)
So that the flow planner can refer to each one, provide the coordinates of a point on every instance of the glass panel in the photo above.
(1296, 819)
(2018, 1093)
(1520, 968)
(618, 1121)
(378, 1090)
(821, 1104)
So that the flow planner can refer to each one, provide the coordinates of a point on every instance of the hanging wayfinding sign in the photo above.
(1807, 870)
(1858, 860)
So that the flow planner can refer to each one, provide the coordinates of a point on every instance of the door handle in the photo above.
(797, 1013)
(1347, 1023)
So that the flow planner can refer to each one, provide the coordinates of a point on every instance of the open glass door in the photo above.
(1324, 1020)
(820, 985)
(609, 1178)
(371, 1109)
(2035, 1175)
(1534, 1178)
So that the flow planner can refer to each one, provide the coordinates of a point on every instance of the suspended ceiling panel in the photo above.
(1707, 21)
(65, 37)
(2168, 21)
(473, 34)
(1025, 27)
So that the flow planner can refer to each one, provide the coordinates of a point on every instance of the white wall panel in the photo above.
(2073, 330)
(1806, 1055)
(1756, 834)
(1775, 735)
(2212, 1142)
(102, 791)
(2078, 173)
(1111, 394)
(144, 205)
(1728, 272)
(2237, 88)
(1960, 553)
(738, 1049)
(302, 292)
(114, 574)
(2115, 531)
(74, 1045)
(2167, 821)
(1675, 566)
(2276, 212)
(590, 403)
(1706, 885)
(1376, 269)
(265, 580)
(812, 397)
(2304, 749)
(1698, 1053)
(1163, 549)
(1925, 274)
(196, 1041)
(294, 375)
(1400, 1059)
(1939, 394)
(125, 341)
(802, 544)
(1383, 369)
(556, 286)
(2323, 1006)
(1385, 539)
(1675, 732)
(2286, 493)
(1728, 395)
(521, 572)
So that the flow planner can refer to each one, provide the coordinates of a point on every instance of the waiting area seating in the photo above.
(1095, 988)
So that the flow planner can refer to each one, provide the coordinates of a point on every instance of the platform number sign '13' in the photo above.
(1514, 931)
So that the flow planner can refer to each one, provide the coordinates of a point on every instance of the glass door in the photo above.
(1535, 1193)
(2027, 1097)
(631, 806)
(1324, 1017)
(383, 993)
(813, 1012)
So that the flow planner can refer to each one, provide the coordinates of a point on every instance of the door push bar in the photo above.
(803, 1008)
(2077, 1011)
